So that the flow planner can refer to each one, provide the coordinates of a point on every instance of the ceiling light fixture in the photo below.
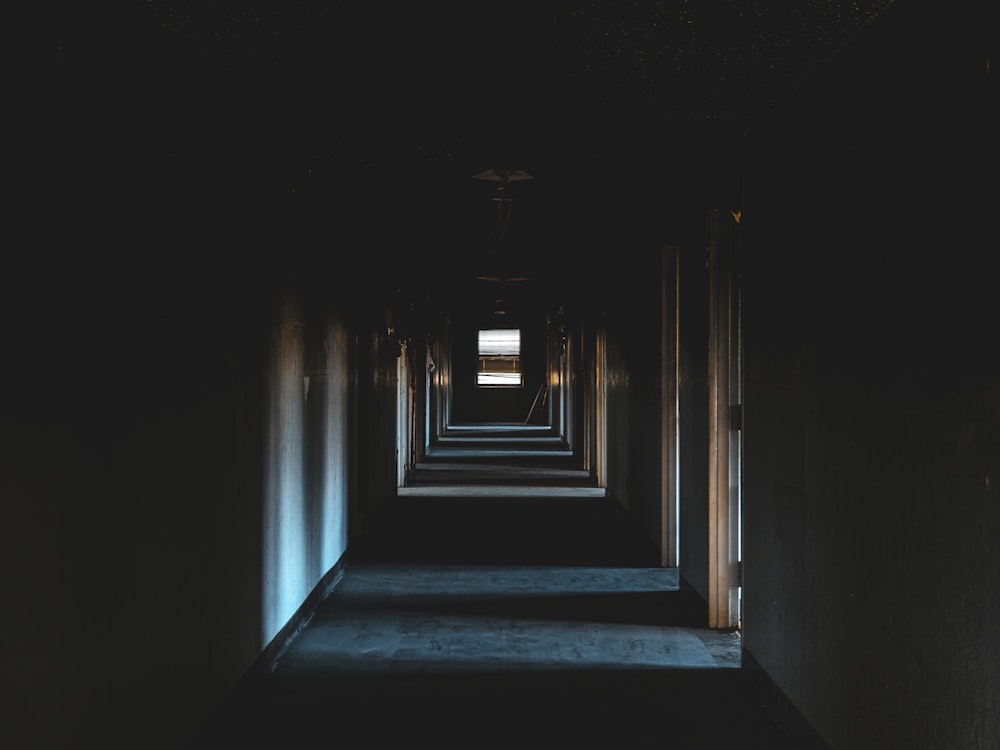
(504, 202)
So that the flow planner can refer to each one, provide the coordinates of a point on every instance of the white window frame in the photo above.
(498, 351)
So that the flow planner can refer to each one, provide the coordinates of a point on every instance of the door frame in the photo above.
(670, 408)
(725, 428)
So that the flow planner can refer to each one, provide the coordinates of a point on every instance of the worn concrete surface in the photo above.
(503, 621)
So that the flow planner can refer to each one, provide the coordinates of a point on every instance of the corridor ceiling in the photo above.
(390, 110)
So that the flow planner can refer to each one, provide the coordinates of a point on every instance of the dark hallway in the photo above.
(638, 358)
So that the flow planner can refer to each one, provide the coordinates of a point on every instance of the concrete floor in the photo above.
(504, 619)
(503, 600)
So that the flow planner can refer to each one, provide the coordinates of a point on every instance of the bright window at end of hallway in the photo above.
(499, 358)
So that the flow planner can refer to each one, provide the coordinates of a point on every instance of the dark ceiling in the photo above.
(362, 114)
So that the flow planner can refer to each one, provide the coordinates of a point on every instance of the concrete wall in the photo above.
(643, 336)
(632, 295)
(131, 482)
(872, 419)
(306, 458)
(374, 420)
(172, 489)
(617, 394)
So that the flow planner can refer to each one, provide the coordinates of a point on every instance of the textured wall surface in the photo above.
(872, 431)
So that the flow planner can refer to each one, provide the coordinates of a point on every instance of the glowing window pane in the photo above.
(498, 378)
(500, 342)
(499, 358)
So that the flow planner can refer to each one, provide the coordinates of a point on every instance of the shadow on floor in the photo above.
(503, 622)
